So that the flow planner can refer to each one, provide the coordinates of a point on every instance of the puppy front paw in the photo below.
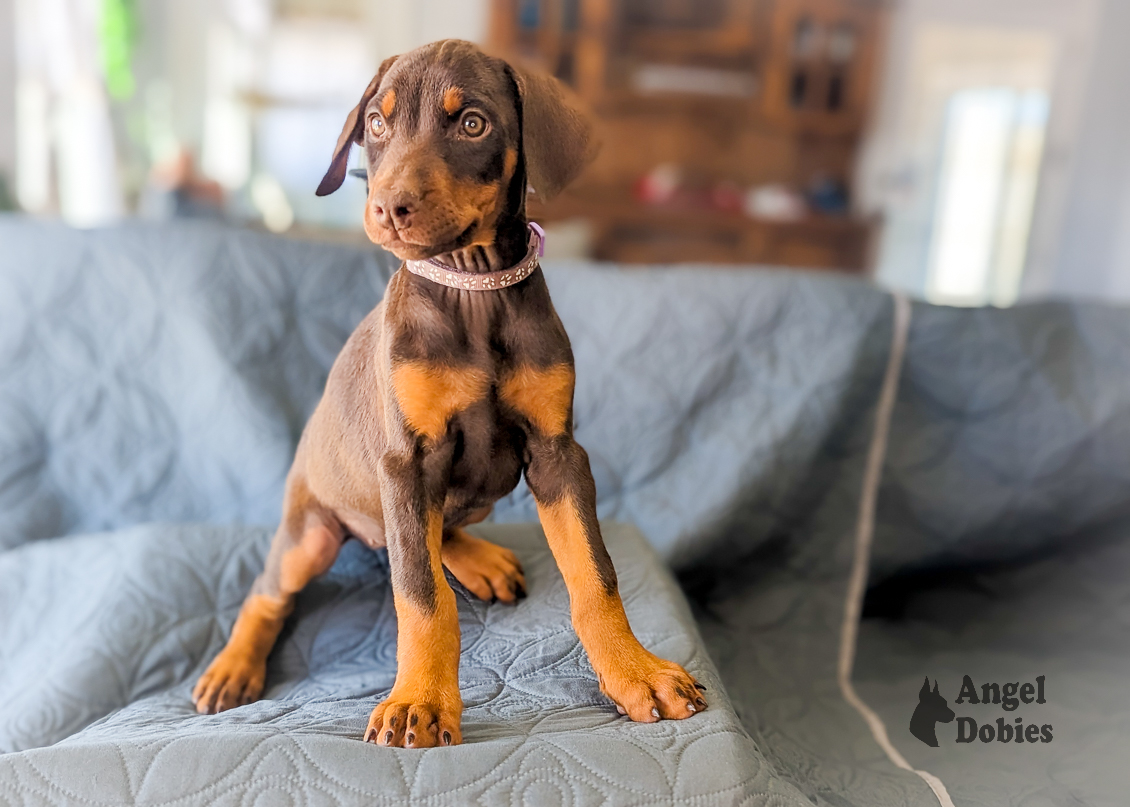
(488, 571)
(231, 680)
(415, 721)
(647, 689)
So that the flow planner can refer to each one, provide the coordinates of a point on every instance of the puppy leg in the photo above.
(643, 686)
(305, 546)
(488, 571)
(424, 707)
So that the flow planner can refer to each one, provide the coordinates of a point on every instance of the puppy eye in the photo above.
(376, 126)
(473, 125)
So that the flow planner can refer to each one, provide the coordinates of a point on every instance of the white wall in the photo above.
(177, 39)
(1083, 203)
(8, 91)
(1093, 257)
(176, 51)
(399, 26)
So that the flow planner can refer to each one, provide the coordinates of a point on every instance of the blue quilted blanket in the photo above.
(154, 380)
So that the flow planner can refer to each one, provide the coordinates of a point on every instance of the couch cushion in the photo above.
(103, 636)
(162, 373)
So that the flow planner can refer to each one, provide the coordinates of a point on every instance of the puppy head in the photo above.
(453, 137)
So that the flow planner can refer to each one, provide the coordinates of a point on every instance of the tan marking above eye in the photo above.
(544, 395)
(429, 394)
(388, 103)
(452, 100)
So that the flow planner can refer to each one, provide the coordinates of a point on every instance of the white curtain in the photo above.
(63, 114)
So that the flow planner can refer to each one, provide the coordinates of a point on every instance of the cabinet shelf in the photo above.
(744, 92)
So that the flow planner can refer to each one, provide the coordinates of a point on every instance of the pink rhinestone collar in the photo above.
(486, 281)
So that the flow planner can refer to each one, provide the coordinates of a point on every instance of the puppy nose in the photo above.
(396, 209)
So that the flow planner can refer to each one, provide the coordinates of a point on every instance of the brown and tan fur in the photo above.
(442, 398)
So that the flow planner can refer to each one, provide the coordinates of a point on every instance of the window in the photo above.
(992, 146)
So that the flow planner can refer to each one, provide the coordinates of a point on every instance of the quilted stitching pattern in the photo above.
(722, 417)
(161, 373)
(186, 404)
(1066, 617)
(148, 607)
(1011, 433)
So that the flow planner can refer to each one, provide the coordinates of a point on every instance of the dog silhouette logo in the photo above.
(932, 709)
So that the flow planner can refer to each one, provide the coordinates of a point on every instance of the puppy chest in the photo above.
(487, 452)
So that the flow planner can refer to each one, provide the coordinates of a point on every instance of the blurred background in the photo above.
(969, 152)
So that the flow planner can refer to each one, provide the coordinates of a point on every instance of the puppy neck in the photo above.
(508, 248)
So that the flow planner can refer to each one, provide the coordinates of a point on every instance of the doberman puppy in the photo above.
(460, 380)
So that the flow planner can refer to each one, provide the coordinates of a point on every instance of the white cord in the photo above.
(864, 533)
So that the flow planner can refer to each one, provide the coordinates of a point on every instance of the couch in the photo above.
(816, 496)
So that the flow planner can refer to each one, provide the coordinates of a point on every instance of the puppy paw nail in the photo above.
(447, 738)
(699, 686)
(621, 709)
(655, 713)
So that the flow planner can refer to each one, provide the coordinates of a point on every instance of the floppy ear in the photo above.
(558, 139)
(352, 132)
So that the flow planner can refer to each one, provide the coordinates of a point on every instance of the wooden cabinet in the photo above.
(734, 94)
(627, 232)
(819, 71)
